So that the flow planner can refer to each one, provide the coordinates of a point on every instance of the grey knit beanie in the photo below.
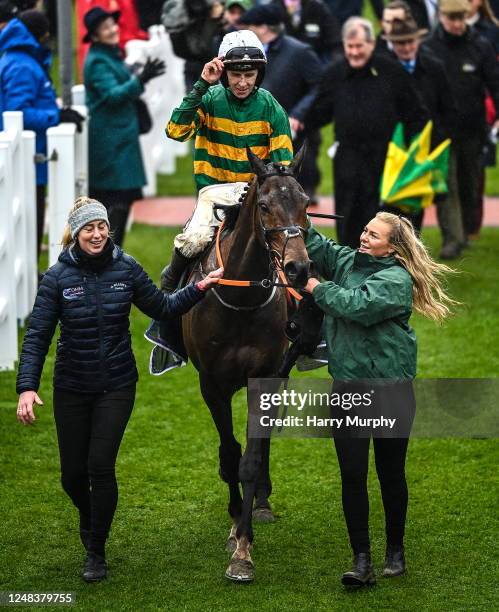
(91, 211)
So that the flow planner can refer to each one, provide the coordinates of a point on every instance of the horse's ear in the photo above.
(256, 163)
(295, 165)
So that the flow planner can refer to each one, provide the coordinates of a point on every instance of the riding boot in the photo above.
(394, 561)
(95, 568)
(171, 275)
(362, 573)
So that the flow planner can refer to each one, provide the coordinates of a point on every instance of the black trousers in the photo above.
(468, 151)
(353, 458)
(90, 428)
(391, 400)
(357, 176)
(118, 204)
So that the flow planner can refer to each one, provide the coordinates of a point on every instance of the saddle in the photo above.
(169, 351)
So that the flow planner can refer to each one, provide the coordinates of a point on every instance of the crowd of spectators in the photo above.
(433, 59)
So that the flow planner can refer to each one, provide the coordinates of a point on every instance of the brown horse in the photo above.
(238, 333)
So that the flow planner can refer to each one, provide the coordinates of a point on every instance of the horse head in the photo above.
(281, 210)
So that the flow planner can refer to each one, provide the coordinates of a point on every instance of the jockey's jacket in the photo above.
(224, 125)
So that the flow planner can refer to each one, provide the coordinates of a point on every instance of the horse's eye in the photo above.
(263, 207)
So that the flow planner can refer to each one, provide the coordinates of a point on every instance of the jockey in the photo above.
(225, 119)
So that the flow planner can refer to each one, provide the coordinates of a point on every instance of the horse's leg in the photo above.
(241, 567)
(219, 404)
(262, 512)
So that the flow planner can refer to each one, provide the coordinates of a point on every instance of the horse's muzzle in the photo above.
(297, 273)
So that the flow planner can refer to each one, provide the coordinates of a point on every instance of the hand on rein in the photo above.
(211, 279)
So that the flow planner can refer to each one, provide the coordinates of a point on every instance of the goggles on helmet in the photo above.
(244, 58)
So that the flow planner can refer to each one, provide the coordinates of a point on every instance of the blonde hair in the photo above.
(429, 296)
(485, 11)
(66, 239)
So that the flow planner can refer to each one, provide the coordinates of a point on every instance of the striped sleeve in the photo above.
(187, 118)
(281, 145)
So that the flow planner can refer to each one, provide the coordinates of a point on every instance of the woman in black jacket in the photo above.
(90, 291)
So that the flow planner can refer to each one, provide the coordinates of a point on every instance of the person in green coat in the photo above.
(368, 295)
(116, 171)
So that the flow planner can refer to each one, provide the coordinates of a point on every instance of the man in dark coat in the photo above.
(433, 85)
(292, 72)
(313, 23)
(365, 95)
(472, 68)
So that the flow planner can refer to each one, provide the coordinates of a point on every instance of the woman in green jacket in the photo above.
(116, 171)
(368, 296)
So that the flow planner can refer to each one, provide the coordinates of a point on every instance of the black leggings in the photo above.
(353, 457)
(90, 428)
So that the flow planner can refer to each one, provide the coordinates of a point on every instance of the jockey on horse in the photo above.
(225, 119)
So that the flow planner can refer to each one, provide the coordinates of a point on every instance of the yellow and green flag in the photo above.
(413, 176)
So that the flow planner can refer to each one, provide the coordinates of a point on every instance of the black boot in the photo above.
(171, 275)
(362, 573)
(95, 568)
(394, 561)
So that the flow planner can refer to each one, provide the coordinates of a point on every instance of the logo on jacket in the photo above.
(73, 293)
(119, 286)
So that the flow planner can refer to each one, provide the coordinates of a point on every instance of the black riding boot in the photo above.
(394, 561)
(362, 573)
(171, 275)
(95, 568)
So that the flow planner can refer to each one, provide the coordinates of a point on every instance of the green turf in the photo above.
(166, 549)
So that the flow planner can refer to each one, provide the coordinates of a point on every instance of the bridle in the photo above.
(276, 258)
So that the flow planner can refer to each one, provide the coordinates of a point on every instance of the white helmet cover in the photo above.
(241, 38)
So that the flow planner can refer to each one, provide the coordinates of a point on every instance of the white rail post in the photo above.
(62, 184)
(161, 95)
(8, 315)
(81, 153)
(29, 185)
(12, 135)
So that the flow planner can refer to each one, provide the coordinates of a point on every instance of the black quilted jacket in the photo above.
(94, 352)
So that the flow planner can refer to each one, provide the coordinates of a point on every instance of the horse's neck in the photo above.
(247, 257)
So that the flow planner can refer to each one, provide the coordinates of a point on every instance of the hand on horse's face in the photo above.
(212, 71)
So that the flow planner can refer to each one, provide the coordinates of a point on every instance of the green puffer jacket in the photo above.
(115, 159)
(368, 302)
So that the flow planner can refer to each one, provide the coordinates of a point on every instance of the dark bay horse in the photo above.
(238, 333)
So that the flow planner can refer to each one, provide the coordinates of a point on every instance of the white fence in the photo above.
(18, 265)
(67, 151)
(68, 178)
(161, 95)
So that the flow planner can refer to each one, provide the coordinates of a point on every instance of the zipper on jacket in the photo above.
(98, 303)
(85, 289)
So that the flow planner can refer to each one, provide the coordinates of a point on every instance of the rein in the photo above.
(266, 283)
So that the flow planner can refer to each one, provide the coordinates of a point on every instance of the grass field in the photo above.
(166, 550)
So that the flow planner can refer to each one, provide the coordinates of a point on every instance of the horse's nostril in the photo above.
(291, 271)
(297, 273)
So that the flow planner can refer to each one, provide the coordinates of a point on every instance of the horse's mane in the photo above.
(232, 212)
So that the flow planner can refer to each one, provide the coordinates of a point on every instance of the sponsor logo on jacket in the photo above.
(73, 293)
(119, 286)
